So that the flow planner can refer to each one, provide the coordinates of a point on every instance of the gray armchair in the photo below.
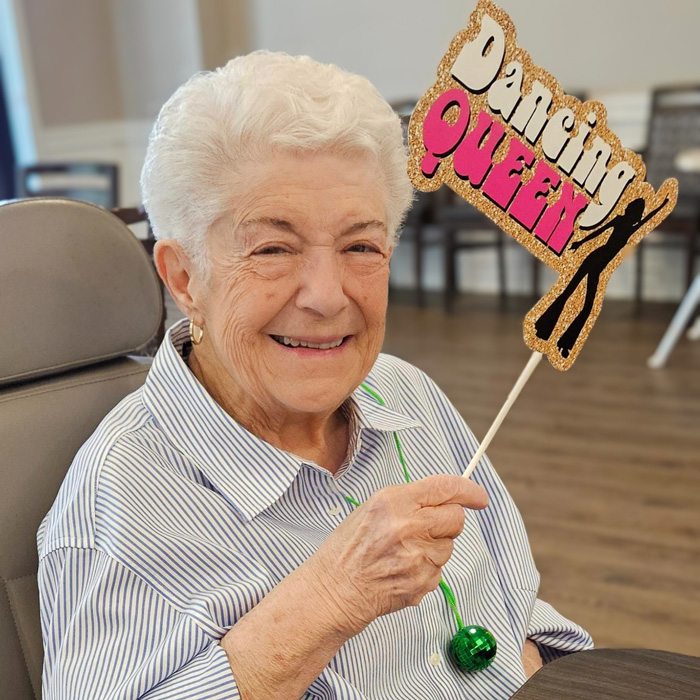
(78, 294)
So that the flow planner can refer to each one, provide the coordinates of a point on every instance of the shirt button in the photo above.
(435, 659)
(334, 510)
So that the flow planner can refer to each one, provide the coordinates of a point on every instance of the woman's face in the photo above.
(302, 257)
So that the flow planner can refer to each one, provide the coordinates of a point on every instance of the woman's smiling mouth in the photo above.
(326, 345)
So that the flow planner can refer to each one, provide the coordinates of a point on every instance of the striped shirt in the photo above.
(173, 521)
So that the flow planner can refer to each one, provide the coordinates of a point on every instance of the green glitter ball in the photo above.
(473, 648)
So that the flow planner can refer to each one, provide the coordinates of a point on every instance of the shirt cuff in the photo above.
(554, 634)
(208, 675)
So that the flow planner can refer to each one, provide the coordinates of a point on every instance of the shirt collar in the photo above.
(251, 473)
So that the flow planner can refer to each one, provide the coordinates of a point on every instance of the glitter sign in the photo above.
(501, 132)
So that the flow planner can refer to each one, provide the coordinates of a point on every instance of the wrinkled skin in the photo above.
(304, 253)
(389, 552)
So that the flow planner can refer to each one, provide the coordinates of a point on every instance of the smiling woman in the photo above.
(203, 544)
(304, 255)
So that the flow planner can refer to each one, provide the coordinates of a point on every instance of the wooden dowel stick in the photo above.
(514, 393)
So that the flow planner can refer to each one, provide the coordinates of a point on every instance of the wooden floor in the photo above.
(603, 460)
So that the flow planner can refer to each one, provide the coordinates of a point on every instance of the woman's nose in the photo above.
(321, 284)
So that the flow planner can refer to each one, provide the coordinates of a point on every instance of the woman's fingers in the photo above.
(438, 489)
(390, 551)
(443, 521)
(440, 551)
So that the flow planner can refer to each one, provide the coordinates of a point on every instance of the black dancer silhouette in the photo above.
(623, 226)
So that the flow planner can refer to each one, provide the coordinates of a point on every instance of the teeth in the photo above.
(293, 342)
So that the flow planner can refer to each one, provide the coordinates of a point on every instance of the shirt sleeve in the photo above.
(504, 532)
(554, 634)
(109, 635)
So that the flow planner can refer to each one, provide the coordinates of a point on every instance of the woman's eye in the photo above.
(365, 248)
(270, 250)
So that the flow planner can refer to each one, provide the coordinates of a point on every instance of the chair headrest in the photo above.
(76, 288)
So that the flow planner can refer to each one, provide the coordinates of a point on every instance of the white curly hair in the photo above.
(218, 122)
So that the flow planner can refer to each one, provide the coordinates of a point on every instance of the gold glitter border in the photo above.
(569, 261)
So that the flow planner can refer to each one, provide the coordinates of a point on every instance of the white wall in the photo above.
(148, 49)
(596, 46)
(158, 47)
(73, 52)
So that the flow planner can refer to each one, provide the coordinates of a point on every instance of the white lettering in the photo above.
(574, 148)
(557, 132)
(532, 112)
(592, 167)
(611, 189)
(479, 61)
(504, 94)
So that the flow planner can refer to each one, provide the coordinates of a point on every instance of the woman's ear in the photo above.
(177, 272)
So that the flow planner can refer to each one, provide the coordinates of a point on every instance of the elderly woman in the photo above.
(279, 511)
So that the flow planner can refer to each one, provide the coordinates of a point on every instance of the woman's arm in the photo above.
(532, 661)
(108, 634)
(278, 648)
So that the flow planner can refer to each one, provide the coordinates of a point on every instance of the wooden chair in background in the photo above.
(465, 228)
(674, 127)
(421, 213)
(97, 183)
(443, 218)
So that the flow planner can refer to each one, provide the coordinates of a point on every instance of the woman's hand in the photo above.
(389, 553)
